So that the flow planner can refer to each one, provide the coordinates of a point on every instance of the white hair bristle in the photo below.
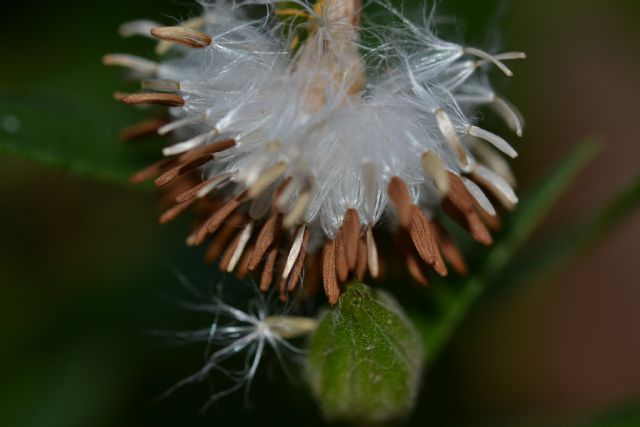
(249, 332)
(319, 135)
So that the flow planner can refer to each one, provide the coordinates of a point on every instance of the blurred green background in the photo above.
(85, 270)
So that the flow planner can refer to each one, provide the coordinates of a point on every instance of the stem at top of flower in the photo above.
(332, 54)
(289, 327)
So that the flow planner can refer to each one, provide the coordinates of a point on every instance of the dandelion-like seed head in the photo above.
(296, 140)
(246, 333)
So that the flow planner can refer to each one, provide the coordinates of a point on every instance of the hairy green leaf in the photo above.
(365, 359)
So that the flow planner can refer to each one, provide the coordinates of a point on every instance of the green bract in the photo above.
(365, 360)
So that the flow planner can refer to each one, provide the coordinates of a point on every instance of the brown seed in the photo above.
(183, 36)
(222, 214)
(342, 267)
(192, 193)
(294, 251)
(230, 251)
(120, 96)
(491, 221)
(223, 236)
(266, 237)
(140, 130)
(351, 235)
(168, 99)
(299, 265)
(267, 272)
(181, 169)
(458, 193)
(399, 195)
(168, 176)
(215, 220)
(421, 235)
(460, 199)
(175, 211)
(470, 221)
(205, 149)
(329, 278)
(243, 267)
(236, 256)
(414, 266)
(151, 171)
(439, 266)
(449, 249)
(313, 276)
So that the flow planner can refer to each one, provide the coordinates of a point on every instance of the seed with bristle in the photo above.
(267, 272)
(161, 85)
(183, 36)
(146, 128)
(299, 265)
(449, 249)
(433, 166)
(484, 55)
(167, 99)
(494, 140)
(193, 192)
(421, 235)
(372, 255)
(282, 137)
(175, 211)
(135, 63)
(298, 210)
(510, 114)
(266, 238)
(267, 178)
(329, 278)
(243, 239)
(181, 169)
(194, 23)
(450, 134)
(351, 232)
(296, 247)
(399, 195)
(342, 265)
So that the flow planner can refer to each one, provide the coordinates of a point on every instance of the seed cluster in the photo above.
(292, 152)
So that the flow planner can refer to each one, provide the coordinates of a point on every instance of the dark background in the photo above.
(85, 269)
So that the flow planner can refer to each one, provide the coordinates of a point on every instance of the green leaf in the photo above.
(365, 359)
(75, 137)
(627, 417)
(454, 300)
(573, 240)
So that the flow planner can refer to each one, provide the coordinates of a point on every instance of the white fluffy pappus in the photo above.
(305, 138)
(264, 325)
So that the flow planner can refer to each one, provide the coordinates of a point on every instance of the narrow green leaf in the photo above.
(79, 138)
(573, 240)
(454, 301)
(622, 417)
(365, 359)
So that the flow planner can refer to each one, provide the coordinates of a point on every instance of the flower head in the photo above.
(296, 139)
